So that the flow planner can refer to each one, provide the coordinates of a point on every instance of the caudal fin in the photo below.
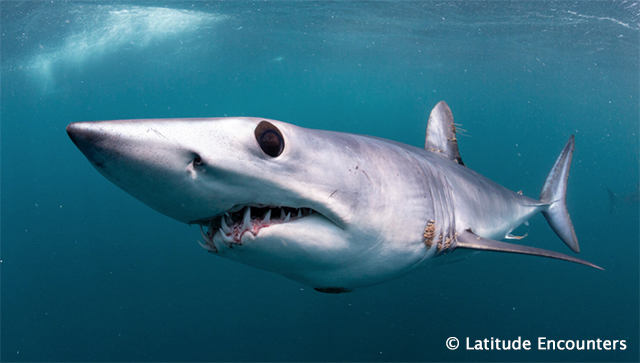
(554, 193)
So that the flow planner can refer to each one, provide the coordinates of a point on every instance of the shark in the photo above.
(331, 210)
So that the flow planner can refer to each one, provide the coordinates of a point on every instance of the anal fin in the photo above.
(471, 241)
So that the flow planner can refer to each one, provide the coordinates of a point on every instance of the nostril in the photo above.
(197, 160)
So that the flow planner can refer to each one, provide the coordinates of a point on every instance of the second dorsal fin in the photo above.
(441, 133)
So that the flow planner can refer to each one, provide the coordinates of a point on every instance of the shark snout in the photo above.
(79, 135)
(87, 137)
(150, 160)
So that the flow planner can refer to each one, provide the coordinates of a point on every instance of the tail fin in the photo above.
(554, 192)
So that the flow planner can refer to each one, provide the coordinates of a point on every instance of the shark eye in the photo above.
(269, 138)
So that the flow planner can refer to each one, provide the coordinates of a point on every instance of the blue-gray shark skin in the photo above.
(334, 211)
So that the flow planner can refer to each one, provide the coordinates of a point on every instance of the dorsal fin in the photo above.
(441, 133)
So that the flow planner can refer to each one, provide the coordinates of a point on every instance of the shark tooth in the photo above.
(209, 247)
(225, 228)
(267, 216)
(246, 220)
(224, 237)
(288, 217)
(299, 213)
(205, 236)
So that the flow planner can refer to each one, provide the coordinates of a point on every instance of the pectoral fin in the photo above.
(471, 241)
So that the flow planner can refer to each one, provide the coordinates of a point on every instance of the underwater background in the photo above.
(88, 273)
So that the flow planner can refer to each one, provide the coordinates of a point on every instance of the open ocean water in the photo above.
(91, 274)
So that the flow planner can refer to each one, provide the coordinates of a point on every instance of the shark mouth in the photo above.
(234, 223)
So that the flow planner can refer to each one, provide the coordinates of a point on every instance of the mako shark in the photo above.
(331, 210)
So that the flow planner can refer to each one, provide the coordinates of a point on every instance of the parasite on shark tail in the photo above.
(554, 193)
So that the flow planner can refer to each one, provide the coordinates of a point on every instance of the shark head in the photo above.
(269, 194)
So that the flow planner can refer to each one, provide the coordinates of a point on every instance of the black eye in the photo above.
(269, 138)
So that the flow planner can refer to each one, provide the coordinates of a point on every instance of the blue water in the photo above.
(91, 274)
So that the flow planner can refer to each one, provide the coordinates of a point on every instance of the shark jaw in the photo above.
(299, 243)
(231, 227)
